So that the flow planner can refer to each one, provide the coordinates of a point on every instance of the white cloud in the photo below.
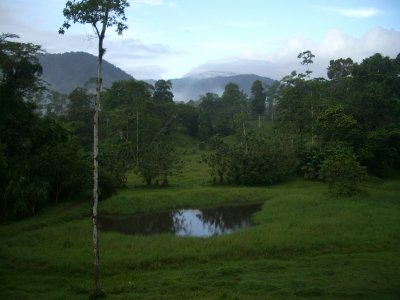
(140, 59)
(335, 45)
(151, 2)
(363, 12)
(385, 41)
(222, 46)
(155, 3)
(359, 13)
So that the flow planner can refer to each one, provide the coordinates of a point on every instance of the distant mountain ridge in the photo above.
(190, 88)
(67, 71)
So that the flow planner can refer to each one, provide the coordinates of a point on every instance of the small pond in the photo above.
(184, 222)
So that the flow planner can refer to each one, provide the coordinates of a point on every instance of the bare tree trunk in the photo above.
(244, 136)
(96, 255)
(96, 263)
(272, 112)
(259, 121)
(312, 124)
(137, 139)
(312, 118)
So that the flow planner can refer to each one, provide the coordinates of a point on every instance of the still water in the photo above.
(184, 222)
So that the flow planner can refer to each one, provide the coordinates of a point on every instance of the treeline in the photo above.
(45, 154)
(335, 130)
(41, 160)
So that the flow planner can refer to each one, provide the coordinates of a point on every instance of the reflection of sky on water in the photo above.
(190, 222)
(186, 222)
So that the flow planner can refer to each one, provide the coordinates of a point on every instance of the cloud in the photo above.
(366, 12)
(141, 60)
(155, 3)
(150, 2)
(281, 62)
(359, 13)
(222, 45)
(385, 41)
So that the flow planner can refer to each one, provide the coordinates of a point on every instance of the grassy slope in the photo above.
(306, 244)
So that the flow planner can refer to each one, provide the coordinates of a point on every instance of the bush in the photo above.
(311, 164)
(260, 160)
(341, 170)
(217, 159)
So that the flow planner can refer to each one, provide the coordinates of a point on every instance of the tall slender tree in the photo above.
(258, 97)
(307, 59)
(100, 14)
(162, 92)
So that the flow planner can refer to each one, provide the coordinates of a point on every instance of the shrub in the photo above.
(341, 170)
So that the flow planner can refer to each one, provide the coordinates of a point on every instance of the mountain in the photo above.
(190, 88)
(67, 71)
(64, 72)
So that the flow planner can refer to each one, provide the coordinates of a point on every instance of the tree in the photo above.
(162, 92)
(79, 114)
(380, 151)
(64, 166)
(340, 68)
(292, 110)
(307, 59)
(272, 95)
(258, 97)
(128, 113)
(262, 160)
(341, 170)
(218, 159)
(188, 118)
(116, 158)
(375, 92)
(208, 115)
(232, 102)
(101, 14)
(21, 193)
(335, 125)
(158, 162)
(20, 67)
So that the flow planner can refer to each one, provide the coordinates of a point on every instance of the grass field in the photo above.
(305, 245)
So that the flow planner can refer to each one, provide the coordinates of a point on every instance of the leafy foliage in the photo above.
(258, 98)
(158, 163)
(162, 91)
(111, 13)
(20, 68)
(40, 161)
(217, 159)
(342, 171)
(381, 151)
(261, 160)
(311, 164)
(334, 124)
(258, 160)
(340, 68)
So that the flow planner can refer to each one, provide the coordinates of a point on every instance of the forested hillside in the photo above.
(67, 71)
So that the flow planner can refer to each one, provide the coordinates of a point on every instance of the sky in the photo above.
(176, 38)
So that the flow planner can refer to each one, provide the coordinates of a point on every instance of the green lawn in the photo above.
(305, 245)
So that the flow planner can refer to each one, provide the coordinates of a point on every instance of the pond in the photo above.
(185, 222)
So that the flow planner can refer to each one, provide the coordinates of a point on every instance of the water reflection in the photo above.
(185, 222)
